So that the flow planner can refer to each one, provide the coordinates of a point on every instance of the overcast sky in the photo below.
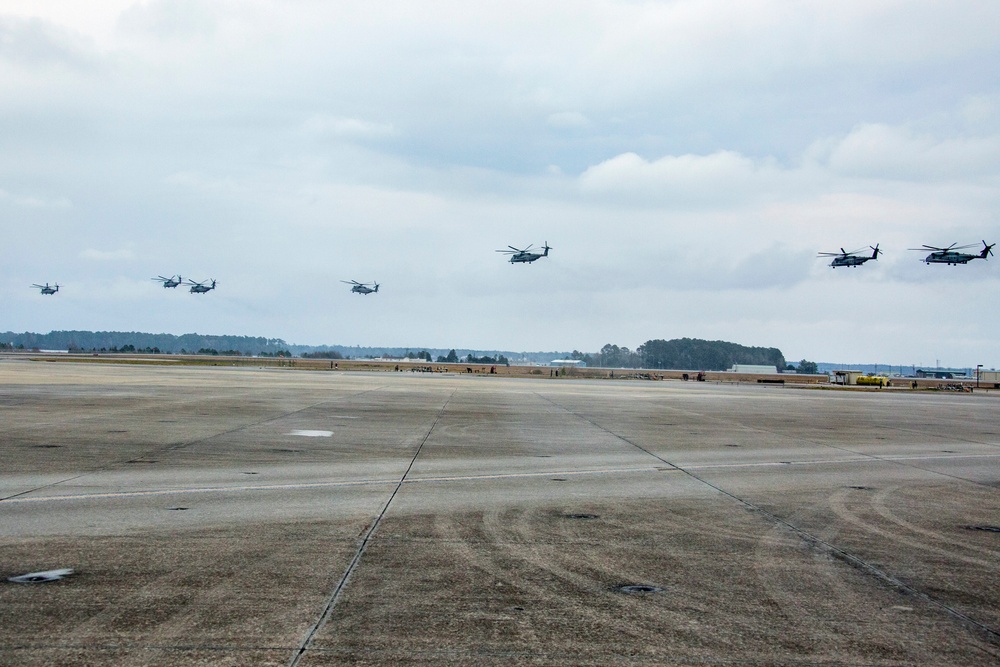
(686, 161)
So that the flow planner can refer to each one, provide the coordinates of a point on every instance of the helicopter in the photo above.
(172, 281)
(950, 255)
(47, 289)
(200, 288)
(851, 259)
(526, 256)
(361, 288)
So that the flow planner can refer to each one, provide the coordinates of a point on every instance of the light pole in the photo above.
(978, 366)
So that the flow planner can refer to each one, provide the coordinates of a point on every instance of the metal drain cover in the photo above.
(633, 589)
(41, 577)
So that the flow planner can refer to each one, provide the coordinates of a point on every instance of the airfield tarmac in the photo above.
(222, 516)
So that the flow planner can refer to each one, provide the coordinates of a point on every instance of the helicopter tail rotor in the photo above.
(875, 251)
(987, 250)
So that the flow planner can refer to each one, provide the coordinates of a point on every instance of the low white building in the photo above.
(568, 363)
(754, 370)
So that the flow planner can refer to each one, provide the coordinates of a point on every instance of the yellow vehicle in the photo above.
(874, 380)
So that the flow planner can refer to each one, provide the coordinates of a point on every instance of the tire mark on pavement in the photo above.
(817, 542)
(331, 603)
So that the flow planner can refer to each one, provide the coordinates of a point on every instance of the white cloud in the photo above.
(719, 178)
(568, 120)
(171, 19)
(325, 126)
(200, 182)
(27, 201)
(886, 152)
(122, 254)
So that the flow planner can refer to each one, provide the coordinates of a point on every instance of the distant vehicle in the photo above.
(526, 256)
(361, 288)
(200, 288)
(172, 281)
(851, 259)
(47, 289)
(950, 255)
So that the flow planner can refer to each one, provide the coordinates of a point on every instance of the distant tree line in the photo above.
(427, 354)
(328, 354)
(804, 367)
(498, 360)
(124, 349)
(683, 354)
(96, 341)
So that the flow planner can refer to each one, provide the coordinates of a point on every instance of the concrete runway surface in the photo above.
(266, 517)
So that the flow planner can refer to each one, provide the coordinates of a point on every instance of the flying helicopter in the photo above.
(851, 259)
(200, 288)
(47, 289)
(172, 281)
(950, 255)
(526, 256)
(361, 288)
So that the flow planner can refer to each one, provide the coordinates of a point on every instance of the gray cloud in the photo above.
(35, 43)
(686, 160)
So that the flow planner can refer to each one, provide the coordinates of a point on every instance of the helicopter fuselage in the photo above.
(525, 257)
(849, 260)
(950, 257)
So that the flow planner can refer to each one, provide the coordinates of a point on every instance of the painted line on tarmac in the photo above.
(318, 485)
(469, 478)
